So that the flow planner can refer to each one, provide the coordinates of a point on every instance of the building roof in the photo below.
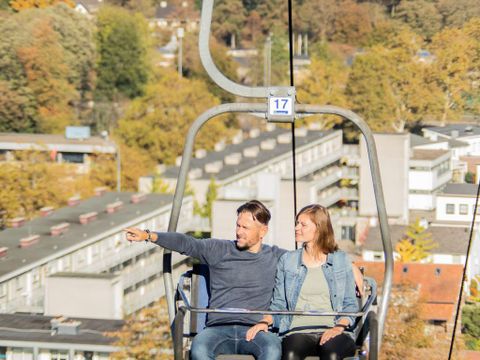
(77, 235)
(438, 284)
(247, 163)
(464, 130)
(417, 140)
(19, 141)
(37, 328)
(460, 189)
(451, 240)
(91, 6)
(427, 154)
(80, 275)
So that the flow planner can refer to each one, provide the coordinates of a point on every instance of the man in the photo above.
(242, 275)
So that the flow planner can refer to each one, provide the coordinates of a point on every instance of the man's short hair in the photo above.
(258, 211)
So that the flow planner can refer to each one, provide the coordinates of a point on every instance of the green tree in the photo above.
(228, 20)
(122, 45)
(158, 121)
(471, 324)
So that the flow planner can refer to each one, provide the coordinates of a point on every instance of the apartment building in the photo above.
(58, 258)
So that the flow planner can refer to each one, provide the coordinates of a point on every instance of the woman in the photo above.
(317, 276)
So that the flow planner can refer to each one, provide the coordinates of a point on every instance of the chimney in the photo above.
(251, 151)
(195, 173)
(113, 207)
(270, 127)
(3, 251)
(62, 326)
(214, 167)
(233, 159)
(16, 222)
(88, 217)
(199, 154)
(254, 133)
(138, 197)
(237, 139)
(59, 229)
(284, 138)
(45, 211)
(99, 191)
(469, 130)
(219, 146)
(301, 132)
(29, 241)
(73, 201)
(268, 144)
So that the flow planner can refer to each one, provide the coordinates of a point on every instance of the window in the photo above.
(75, 158)
(463, 209)
(450, 209)
(58, 355)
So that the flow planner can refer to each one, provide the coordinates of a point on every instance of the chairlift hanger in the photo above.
(280, 106)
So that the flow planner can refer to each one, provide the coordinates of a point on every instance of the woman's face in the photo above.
(305, 229)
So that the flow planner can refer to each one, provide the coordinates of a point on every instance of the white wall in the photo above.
(441, 208)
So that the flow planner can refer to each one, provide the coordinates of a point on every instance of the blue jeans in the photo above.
(230, 339)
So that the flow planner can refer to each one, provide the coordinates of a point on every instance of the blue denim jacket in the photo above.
(291, 273)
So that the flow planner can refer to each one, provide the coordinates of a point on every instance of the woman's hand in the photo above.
(330, 334)
(255, 329)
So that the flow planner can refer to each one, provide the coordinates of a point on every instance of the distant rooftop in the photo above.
(77, 234)
(421, 154)
(246, 163)
(460, 189)
(417, 140)
(37, 328)
(459, 130)
(451, 240)
(19, 141)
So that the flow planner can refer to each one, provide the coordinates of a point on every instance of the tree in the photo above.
(212, 193)
(404, 330)
(325, 85)
(122, 43)
(471, 325)
(455, 13)
(453, 59)
(32, 63)
(389, 87)
(227, 21)
(144, 335)
(421, 15)
(416, 244)
(19, 5)
(158, 121)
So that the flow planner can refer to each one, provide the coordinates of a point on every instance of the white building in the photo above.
(429, 172)
(86, 244)
(260, 167)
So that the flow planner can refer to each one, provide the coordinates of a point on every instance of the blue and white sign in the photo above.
(280, 106)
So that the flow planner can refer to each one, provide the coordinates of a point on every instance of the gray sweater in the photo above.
(238, 278)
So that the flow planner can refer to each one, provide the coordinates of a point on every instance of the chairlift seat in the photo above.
(192, 297)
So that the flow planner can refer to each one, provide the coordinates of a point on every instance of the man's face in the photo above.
(250, 232)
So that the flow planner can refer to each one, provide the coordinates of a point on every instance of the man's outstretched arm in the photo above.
(203, 249)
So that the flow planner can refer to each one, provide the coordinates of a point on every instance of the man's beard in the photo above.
(242, 247)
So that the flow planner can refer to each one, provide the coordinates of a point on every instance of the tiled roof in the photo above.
(438, 284)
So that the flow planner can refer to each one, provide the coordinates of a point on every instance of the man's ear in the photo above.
(263, 231)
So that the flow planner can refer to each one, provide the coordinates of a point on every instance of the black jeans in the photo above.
(299, 346)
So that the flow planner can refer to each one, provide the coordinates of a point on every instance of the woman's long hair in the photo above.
(325, 239)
